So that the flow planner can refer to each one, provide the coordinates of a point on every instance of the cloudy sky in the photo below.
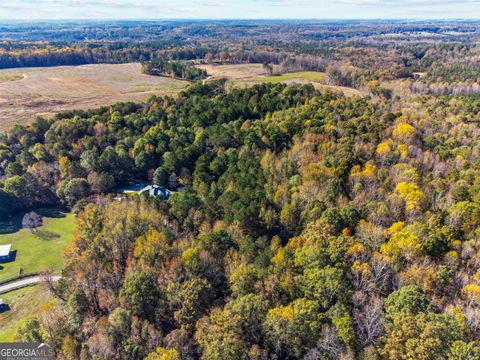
(253, 9)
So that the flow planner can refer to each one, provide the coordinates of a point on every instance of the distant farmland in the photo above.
(243, 75)
(27, 92)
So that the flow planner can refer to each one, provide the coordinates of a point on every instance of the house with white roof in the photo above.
(156, 192)
(5, 252)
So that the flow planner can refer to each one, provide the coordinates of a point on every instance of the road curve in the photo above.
(25, 282)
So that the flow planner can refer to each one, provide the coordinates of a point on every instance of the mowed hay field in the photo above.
(249, 74)
(27, 92)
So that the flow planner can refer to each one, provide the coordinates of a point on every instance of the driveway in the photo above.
(17, 284)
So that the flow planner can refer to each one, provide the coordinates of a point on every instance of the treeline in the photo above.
(175, 69)
(289, 62)
(109, 54)
(306, 225)
(461, 71)
(57, 56)
(425, 87)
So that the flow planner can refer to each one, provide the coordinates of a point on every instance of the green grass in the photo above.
(40, 250)
(23, 303)
(305, 75)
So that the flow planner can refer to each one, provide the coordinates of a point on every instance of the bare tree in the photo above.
(382, 275)
(173, 181)
(327, 345)
(370, 321)
(181, 340)
(472, 316)
(51, 284)
(267, 69)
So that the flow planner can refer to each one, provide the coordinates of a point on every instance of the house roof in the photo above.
(156, 191)
(5, 249)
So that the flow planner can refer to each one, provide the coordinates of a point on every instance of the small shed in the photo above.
(3, 307)
(5, 252)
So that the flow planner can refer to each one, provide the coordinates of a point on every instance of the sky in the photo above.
(238, 9)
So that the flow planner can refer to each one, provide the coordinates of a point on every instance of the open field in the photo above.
(244, 75)
(36, 251)
(234, 72)
(23, 303)
(312, 76)
(27, 92)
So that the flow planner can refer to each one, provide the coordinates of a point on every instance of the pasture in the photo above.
(28, 92)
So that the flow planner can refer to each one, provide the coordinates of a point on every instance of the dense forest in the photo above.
(303, 225)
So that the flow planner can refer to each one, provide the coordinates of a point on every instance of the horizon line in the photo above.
(248, 19)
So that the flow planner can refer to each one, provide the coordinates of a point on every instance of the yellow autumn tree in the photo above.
(150, 247)
(404, 132)
(396, 227)
(384, 148)
(402, 245)
(163, 354)
(472, 292)
(403, 150)
(367, 172)
(411, 194)
(405, 173)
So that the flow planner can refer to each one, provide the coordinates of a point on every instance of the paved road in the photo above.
(24, 282)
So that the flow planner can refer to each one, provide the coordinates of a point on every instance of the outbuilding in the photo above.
(5, 252)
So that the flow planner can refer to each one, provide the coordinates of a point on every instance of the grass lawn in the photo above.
(23, 303)
(40, 250)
